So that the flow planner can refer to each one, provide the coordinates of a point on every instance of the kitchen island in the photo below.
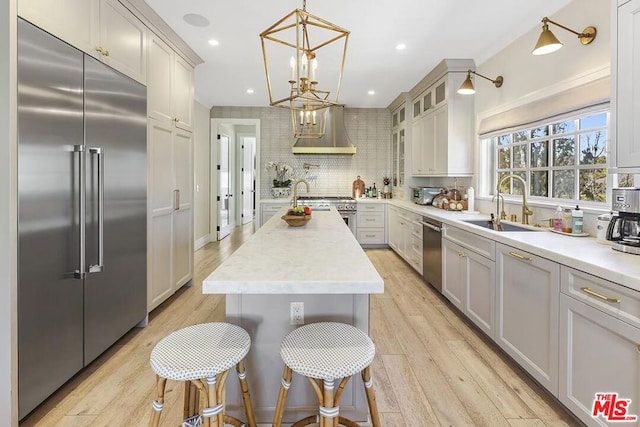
(320, 265)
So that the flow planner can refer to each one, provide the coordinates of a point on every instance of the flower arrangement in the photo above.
(282, 169)
(386, 180)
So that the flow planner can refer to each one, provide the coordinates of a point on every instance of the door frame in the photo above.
(213, 175)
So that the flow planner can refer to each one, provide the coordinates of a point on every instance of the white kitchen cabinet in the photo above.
(170, 218)
(169, 85)
(394, 231)
(442, 135)
(405, 235)
(398, 134)
(104, 29)
(430, 144)
(269, 209)
(528, 288)
(599, 338)
(371, 220)
(413, 242)
(468, 276)
(123, 40)
(74, 21)
(626, 69)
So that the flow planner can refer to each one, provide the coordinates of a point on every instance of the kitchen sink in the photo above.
(506, 226)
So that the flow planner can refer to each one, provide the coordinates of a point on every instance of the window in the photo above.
(564, 160)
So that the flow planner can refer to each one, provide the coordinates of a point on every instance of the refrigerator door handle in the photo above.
(99, 152)
(80, 273)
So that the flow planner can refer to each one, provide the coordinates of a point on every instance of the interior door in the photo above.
(226, 210)
(248, 150)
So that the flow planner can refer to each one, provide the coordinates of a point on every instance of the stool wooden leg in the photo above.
(282, 396)
(246, 397)
(371, 397)
(187, 408)
(214, 420)
(158, 402)
(194, 398)
(328, 411)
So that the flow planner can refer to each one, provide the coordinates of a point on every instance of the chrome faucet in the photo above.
(295, 190)
(526, 212)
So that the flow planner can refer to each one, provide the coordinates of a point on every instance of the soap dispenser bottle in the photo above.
(557, 219)
(576, 220)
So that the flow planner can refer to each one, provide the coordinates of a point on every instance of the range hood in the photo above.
(334, 141)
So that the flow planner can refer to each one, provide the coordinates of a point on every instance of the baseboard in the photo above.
(201, 242)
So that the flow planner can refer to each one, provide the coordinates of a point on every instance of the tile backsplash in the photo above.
(369, 130)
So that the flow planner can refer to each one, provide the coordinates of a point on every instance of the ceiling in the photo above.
(431, 30)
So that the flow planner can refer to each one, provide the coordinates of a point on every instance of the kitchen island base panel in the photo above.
(267, 320)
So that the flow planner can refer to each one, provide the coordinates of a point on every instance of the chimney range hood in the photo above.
(334, 141)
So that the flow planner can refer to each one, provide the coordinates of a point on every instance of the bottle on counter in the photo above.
(557, 219)
(471, 199)
(566, 220)
(576, 220)
(374, 190)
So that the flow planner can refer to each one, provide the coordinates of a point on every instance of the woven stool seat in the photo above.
(323, 353)
(200, 351)
(327, 350)
(201, 357)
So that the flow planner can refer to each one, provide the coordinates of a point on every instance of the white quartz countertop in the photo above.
(581, 253)
(321, 257)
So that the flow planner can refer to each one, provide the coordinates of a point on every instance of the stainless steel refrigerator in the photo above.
(82, 167)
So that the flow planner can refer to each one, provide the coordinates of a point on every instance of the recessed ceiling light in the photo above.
(401, 46)
(214, 42)
(196, 20)
(249, 90)
(372, 92)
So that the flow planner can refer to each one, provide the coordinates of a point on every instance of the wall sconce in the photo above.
(466, 88)
(547, 42)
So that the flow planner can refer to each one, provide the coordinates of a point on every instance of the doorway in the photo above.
(235, 151)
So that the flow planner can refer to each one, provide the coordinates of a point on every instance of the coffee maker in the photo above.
(624, 228)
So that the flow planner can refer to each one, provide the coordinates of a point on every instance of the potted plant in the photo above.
(281, 186)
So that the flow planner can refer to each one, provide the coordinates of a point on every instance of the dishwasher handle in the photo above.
(431, 226)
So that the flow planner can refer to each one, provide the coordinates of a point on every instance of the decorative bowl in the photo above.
(295, 220)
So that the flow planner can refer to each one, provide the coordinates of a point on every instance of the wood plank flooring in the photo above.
(431, 367)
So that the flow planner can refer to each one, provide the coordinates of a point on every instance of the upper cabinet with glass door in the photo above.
(625, 103)
(443, 122)
(398, 119)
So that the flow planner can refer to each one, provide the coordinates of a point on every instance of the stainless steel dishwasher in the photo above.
(432, 252)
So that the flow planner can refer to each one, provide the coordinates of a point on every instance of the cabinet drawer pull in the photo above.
(176, 200)
(599, 295)
(462, 254)
(522, 257)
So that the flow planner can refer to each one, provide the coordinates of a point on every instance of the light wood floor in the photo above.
(431, 367)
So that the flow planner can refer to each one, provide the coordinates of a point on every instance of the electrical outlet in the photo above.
(297, 313)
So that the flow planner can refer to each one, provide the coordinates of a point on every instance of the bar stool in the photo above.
(324, 352)
(202, 355)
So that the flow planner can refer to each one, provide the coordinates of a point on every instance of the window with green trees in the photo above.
(564, 160)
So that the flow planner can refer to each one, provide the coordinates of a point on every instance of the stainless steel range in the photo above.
(346, 206)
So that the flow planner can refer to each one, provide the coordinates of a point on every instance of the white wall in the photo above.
(528, 77)
(201, 133)
(8, 240)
